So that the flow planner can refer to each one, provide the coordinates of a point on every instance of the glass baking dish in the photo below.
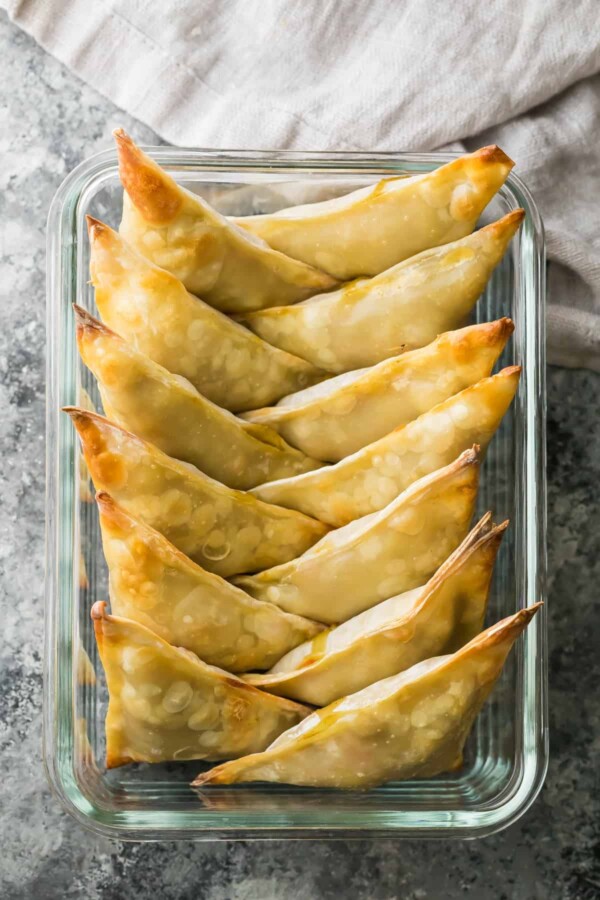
(506, 755)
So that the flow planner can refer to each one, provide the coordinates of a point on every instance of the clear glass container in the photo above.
(506, 754)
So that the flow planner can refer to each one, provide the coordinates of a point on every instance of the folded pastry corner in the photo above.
(213, 257)
(156, 196)
(411, 725)
(166, 704)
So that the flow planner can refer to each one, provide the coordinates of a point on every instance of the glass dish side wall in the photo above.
(506, 754)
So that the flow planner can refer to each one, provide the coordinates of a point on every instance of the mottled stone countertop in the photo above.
(50, 121)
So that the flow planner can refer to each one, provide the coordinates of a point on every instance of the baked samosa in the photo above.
(402, 309)
(375, 227)
(331, 420)
(152, 309)
(169, 412)
(410, 725)
(166, 704)
(370, 479)
(153, 583)
(224, 531)
(380, 555)
(226, 266)
(397, 633)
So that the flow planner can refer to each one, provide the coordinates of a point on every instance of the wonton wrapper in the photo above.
(397, 633)
(224, 531)
(369, 479)
(152, 309)
(402, 309)
(166, 704)
(154, 584)
(169, 412)
(336, 418)
(374, 228)
(229, 268)
(380, 555)
(410, 725)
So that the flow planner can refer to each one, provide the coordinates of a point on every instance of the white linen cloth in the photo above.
(370, 75)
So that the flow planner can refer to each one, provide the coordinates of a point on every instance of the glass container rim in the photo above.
(201, 824)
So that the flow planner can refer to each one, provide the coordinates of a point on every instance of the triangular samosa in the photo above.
(404, 308)
(380, 555)
(169, 412)
(166, 704)
(224, 531)
(226, 266)
(152, 309)
(154, 584)
(410, 725)
(370, 478)
(331, 420)
(377, 226)
(397, 633)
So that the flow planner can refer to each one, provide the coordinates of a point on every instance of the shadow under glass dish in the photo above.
(505, 756)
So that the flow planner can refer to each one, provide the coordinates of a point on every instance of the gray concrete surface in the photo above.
(50, 121)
